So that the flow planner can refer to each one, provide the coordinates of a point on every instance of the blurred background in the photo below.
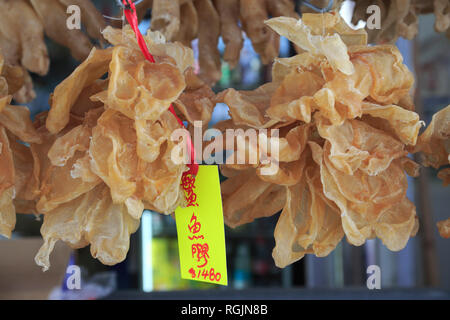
(152, 265)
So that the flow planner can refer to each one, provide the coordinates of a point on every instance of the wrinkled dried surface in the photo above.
(99, 157)
(401, 18)
(346, 120)
(23, 25)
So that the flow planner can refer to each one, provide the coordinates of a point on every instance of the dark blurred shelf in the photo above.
(286, 294)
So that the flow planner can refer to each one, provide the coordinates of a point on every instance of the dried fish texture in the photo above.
(345, 129)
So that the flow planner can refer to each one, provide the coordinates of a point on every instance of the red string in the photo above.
(130, 14)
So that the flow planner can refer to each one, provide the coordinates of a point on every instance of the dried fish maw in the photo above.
(28, 29)
(307, 224)
(26, 93)
(196, 103)
(249, 107)
(332, 47)
(65, 147)
(68, 91)
(25, 183)
(67, 223)
(113, 154)
(91, 18)
(235, 204)
(264, 41)
(7, 190)
(330, 23)
(289, 101)
(356, 145)
(53, 16)
(403, 123)
(139, 89)
(434, 142)
(173, 53)
(444, 228)
(229, 29)
(159, 183)
(152, 134)
(14, 76)
(288, 174)
(25, 206)
(166, 17)
(279, 8)
(7, 172)
(395, 226)
(442, 13)
(108, 231)
(7, 212)
(17, 120)
(391, 79)
(304, 61)
(88, 98)
(208, 38)
(188, 24)
(58, 186)
(89, 219)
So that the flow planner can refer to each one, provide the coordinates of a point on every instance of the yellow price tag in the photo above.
(200, 228)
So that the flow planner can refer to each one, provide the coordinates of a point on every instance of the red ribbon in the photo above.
(130, 14)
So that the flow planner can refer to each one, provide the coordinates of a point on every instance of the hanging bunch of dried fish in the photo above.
(434, 147)
(345, 118)
(23, 25)
(207, 20)
(400, 18)
(17, 185)
(103, 153)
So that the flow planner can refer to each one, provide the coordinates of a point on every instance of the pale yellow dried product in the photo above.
(370, 205)
(91, 18)
(113, 154)
(67, 92)
(346, 122)
(57, 185)
(26, 185)
(246, 197)
(293, 98)
(188, 24)
(89, 219)
(135, 84)
(402, 123)
(444, 228)
(7, 179)
(308, 223)
(7, 212)
(20, 21)
(166, 17)
(197, 101)
(229, 29)
(26, 93)
(53, 17)
(331, 46)
(434, 142)
(115, 159)
(208, 39)
(265, 42)
(401, 18)
(249, 107)
(358, 146)
(169, 52)
(23, 25)
(17, 120)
